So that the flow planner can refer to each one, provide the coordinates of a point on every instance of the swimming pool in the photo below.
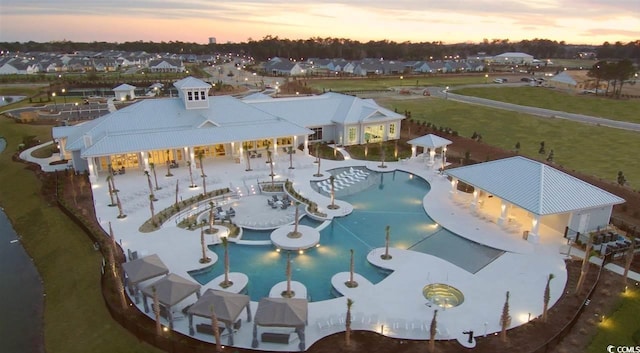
(395, 199)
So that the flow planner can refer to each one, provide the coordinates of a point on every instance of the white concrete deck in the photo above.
(395, 306)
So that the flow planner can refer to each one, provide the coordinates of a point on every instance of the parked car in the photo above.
(498, 80)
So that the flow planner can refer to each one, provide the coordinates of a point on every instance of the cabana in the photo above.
(431, 142)
(170, 290)
(142, 269)
(227, 307)
(281, 312)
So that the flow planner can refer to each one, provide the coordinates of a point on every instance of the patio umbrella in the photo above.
(226, 305)
(142, 269)
(282, 312)
(170, 290)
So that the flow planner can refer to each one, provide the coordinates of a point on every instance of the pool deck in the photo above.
(396, 305)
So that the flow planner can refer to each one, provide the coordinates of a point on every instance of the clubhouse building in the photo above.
(177, 130)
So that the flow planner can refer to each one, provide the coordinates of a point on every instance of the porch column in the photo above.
(275, 147)
(233, 149)
(306, 145)
(413, 151)
(444, 157)
(192, 156)
(144, 156)
(454, 187)
(535, 226)
(504, 212)
(93, 170)
(474, 201)
(432, 155)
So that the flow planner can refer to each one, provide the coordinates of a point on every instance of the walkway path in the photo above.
(541, 112)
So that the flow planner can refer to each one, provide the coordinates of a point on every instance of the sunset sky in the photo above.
(449, 21)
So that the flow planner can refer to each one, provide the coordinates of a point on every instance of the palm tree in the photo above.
(366, 147)
(291, 151)
(383, 155)
(192, 185)
(203, 175)
(119, 204)
(204, 259)
(433, 330)
(226, 283)
(109, 177)
(347, 323)
(628, 260)
(318, 174)
(152, 196)
(216, 330)
(153, 213)
(169, 164)
(386, 255)
(351, 283)
(317, 150)
(505, 319)
(211, 217)
(245, 146)
(177, 189)
(295, 234)
(585, 264)
(333, 205)
(288, 293)
(113, 182)
(272, 174)
(155, 176)
(547, 297)
(156, 310)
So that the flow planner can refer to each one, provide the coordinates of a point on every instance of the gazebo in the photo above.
(170, 290)
(281, 312)
(431, 142)
(142, 269)
(226, 305)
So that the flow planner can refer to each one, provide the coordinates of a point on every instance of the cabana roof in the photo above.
(172, 289)
(430, 141)
(283, 312)
(145, 268)
(227, 306)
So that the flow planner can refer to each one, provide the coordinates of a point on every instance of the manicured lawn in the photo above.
(620, 326)
(364, 84)
(616, 109)
(594, 150)
(76, 319)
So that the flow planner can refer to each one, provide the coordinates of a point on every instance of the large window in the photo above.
(392, 130)
(317, 134)
(190, 96)
(352, 134)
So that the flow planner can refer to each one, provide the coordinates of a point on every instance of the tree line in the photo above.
(318, 47)
(615, 73)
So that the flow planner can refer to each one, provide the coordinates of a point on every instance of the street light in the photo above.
(78, 110)
(446, 93)
(486, 78)
(55, 104)
(65, 97)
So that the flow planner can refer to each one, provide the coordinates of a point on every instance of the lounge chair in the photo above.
(231, 212)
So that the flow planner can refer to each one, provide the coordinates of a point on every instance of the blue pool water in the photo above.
(395, 200)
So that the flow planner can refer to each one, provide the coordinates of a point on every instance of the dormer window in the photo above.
(190, 96)
(193, 92)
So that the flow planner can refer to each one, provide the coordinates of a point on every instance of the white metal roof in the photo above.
(326, 109)
(124, 87)
(164, 123)
(534, 186)
(430, 140)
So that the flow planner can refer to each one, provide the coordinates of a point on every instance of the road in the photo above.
(541, 112)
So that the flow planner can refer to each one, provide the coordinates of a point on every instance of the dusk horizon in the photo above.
(196, 21)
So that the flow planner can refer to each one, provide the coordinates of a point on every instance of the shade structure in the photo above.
(170, 290)
(282, 312)
(142, 269)
(432, 142)
(226, 305)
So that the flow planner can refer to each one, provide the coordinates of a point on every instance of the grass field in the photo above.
(383, 83)
(76, 319)
(594, 150)
(615, 109)
(619, 328)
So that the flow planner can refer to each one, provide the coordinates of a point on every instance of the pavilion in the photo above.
(536, 192)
